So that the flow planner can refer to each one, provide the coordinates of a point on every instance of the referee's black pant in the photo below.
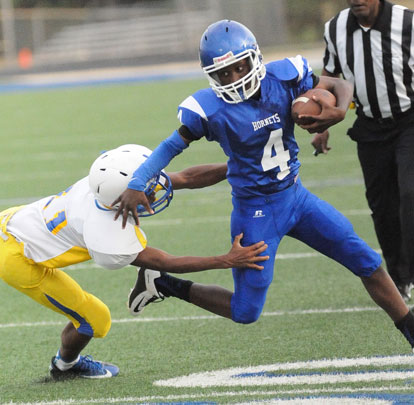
(388, 169)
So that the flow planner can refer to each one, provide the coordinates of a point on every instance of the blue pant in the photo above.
(298, 213)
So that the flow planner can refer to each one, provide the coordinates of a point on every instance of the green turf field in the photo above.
(316, 310)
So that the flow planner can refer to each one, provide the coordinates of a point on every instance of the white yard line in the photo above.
(199, 195)
(313, 372)
(279, 256)
(315, 311)
(228, 394)
(40, 175)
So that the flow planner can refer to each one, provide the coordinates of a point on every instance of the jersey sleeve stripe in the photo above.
(190, 103)
(299, 65)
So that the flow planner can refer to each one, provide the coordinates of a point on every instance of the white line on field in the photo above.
(279, 256)
(150, 222)
(225, 219)
(40, 175)
(208, 195)
(42, 156)
(243, 394)
(200, 317)
(283, 373)
(199, 194)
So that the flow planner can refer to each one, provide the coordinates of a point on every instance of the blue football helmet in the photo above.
(224, 43)
(111, 172)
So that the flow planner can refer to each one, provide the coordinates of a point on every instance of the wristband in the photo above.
(162, 155)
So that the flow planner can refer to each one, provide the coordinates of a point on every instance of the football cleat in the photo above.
(144, 291)
(86, 367)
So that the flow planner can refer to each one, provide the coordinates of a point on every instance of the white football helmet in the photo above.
(111, 172)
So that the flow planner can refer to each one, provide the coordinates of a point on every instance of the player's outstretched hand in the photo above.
(128, 202)
(330, 115)
(247, 256)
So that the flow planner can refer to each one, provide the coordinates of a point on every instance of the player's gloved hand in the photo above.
(128, 202)
(330, 115)
(240, 256)
(320, 143)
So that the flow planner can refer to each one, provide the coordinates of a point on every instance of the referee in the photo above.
(371, 44)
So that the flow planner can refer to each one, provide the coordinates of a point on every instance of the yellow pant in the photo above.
(50, 287)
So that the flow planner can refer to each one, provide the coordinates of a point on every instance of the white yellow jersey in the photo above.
(71, 227)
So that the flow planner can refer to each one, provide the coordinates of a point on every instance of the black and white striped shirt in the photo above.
(379, 61)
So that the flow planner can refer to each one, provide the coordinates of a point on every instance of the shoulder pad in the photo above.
(204, 103)
(102, 234)
(289, 68)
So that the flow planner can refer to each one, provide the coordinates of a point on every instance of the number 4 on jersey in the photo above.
(275, 154)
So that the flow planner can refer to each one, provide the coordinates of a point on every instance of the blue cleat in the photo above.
(86, 367)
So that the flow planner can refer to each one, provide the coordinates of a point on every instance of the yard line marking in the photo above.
(308, 160)
(8, 202)
(321, 311)
(356, 212)
(185, 221)
(40, 175)
(230, 394)
(204, 196)
(41, 156)
(279, 256)
(215, 189)
(200, 317)
(283, 373)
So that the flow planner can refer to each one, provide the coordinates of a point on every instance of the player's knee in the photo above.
(97, 321)
(247, 304)
(102, 324)
(245, 317)
(246, 314)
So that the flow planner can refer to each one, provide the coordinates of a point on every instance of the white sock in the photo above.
(63, 365)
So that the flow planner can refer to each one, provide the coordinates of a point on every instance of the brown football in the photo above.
(304, 104)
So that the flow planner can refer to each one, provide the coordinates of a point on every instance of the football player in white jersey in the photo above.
(77, 225)
(247, 110)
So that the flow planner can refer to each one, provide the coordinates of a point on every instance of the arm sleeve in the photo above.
(158, 159)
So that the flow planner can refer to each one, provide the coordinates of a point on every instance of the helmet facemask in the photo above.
(160, 193)
(243, 88)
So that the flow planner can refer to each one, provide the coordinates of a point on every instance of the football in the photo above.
(304, 104)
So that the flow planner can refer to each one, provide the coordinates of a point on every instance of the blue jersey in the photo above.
(256, 135)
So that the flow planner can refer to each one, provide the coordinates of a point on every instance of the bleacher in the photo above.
(128, 38)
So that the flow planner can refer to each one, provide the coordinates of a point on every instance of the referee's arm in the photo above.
(329, 74)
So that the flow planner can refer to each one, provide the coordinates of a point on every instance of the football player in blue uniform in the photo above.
(247, 111)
